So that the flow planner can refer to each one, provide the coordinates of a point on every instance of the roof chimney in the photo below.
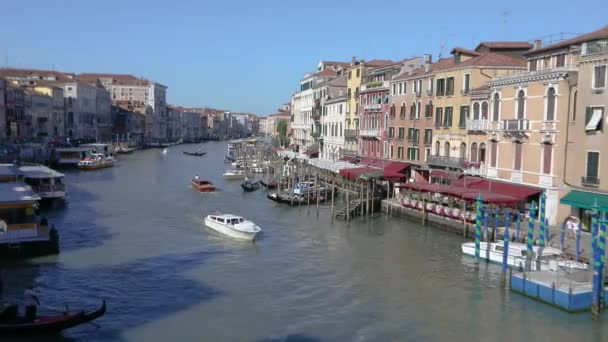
(428, 60)
(352, 61)
(537, 44)
(410, 69)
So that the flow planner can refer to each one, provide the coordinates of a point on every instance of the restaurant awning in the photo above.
(585, 200)
(394, 170)
(464, 193)
(520, 192)
(354, 173)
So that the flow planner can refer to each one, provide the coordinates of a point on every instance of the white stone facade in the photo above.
(333, 123)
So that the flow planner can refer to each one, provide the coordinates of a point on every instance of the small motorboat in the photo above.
(12, 324)
(234, 175)
(249, 186)
(165, 151)
(196, 154)
(96, 161)
(543, 259)
(202, 185)
(233, 226)
(124, 150)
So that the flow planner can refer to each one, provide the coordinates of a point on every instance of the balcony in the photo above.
(516, 125)
(590, 181)
(451, 162)
(372, 107)
(351, 134)
(478, 125)
(372, 133)
(479, 170)
(375, 85)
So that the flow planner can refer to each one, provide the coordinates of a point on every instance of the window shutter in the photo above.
(588, 114)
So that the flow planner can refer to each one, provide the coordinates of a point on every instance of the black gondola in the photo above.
(271, 185)
(250, 186)
(11, 324)
(197, 154)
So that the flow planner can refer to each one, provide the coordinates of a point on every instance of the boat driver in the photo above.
(31, 304)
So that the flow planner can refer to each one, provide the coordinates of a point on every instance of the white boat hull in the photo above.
(488, 254)
(223, 229)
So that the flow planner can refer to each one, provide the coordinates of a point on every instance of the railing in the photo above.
(374, 85)
(477, 125)
(351, 134)
(480, 170)
(590, 181)
(516, 125)
(375, 106)
(365, 132)
(451, 162)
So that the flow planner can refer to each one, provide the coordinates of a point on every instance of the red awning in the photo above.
(464, 193)
(521, 192)
(489, 197)
(354, 173)
(394, 170)
(352, 160)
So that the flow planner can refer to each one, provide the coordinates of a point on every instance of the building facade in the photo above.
(333, 123)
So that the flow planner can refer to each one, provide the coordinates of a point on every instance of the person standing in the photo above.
(31, 304)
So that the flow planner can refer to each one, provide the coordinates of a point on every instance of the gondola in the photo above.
(47, 324)
(197, 154)
(250, 186)
(271, 185)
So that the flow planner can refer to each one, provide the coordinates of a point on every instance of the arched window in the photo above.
(484, 110)
(482, 153)
(474, 152)
(476, 111)
(429, 112)
(392, 110)
(413, 110)
(496, 107)
(437, 148)
(550, 104)
(402, 110)
(463, 150)
(418, 110)
(521, 104)
(446, 149)
(386, 122)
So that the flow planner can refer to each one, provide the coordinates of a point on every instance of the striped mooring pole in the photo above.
(496, 223)
(562, 236)
(478, 228)
(601, 243)
(595, 286)
(578, 244)
(486, 222)
(505, 252)
(541, 220)
(547, 232)
(530, 238)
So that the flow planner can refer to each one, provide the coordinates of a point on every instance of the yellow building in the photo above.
(454, 78)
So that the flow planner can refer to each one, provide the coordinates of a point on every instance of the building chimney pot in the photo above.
(352, 61)
(537, 44)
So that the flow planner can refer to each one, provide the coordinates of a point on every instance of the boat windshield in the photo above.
(241, 220)
(234, 221)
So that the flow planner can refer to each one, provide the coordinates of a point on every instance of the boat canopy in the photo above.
(39, 171)
(17, 192)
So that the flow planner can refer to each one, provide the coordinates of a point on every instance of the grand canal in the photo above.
(133, 235)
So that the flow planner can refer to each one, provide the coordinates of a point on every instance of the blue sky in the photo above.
(250, 55)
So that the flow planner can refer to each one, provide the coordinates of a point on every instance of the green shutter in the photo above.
(588, 114)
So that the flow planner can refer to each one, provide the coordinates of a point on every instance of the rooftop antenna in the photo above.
(441, 47)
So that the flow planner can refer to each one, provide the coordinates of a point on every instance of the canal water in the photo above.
(133, 235)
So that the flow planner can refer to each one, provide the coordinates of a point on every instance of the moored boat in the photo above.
(47, 183)
(11, 324)
(202, 185)
(22, 233)
(270, 185)
(233, 226)
(96, 161)
(233, 175)
(543, 259)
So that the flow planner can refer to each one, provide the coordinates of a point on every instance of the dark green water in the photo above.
(133, 235)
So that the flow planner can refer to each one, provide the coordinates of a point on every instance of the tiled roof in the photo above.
(379, 63)
(464, 51)
(599, 34)
(334, 63)
(26, 73)
(325, 72)
(505, 45)
(492, 59)
(119, 79)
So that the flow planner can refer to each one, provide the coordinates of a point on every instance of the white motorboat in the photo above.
(233, 175)
(96, 161)
(165, 151)
(233, 226)
(543, 259)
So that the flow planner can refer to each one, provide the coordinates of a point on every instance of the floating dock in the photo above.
(568, 291)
